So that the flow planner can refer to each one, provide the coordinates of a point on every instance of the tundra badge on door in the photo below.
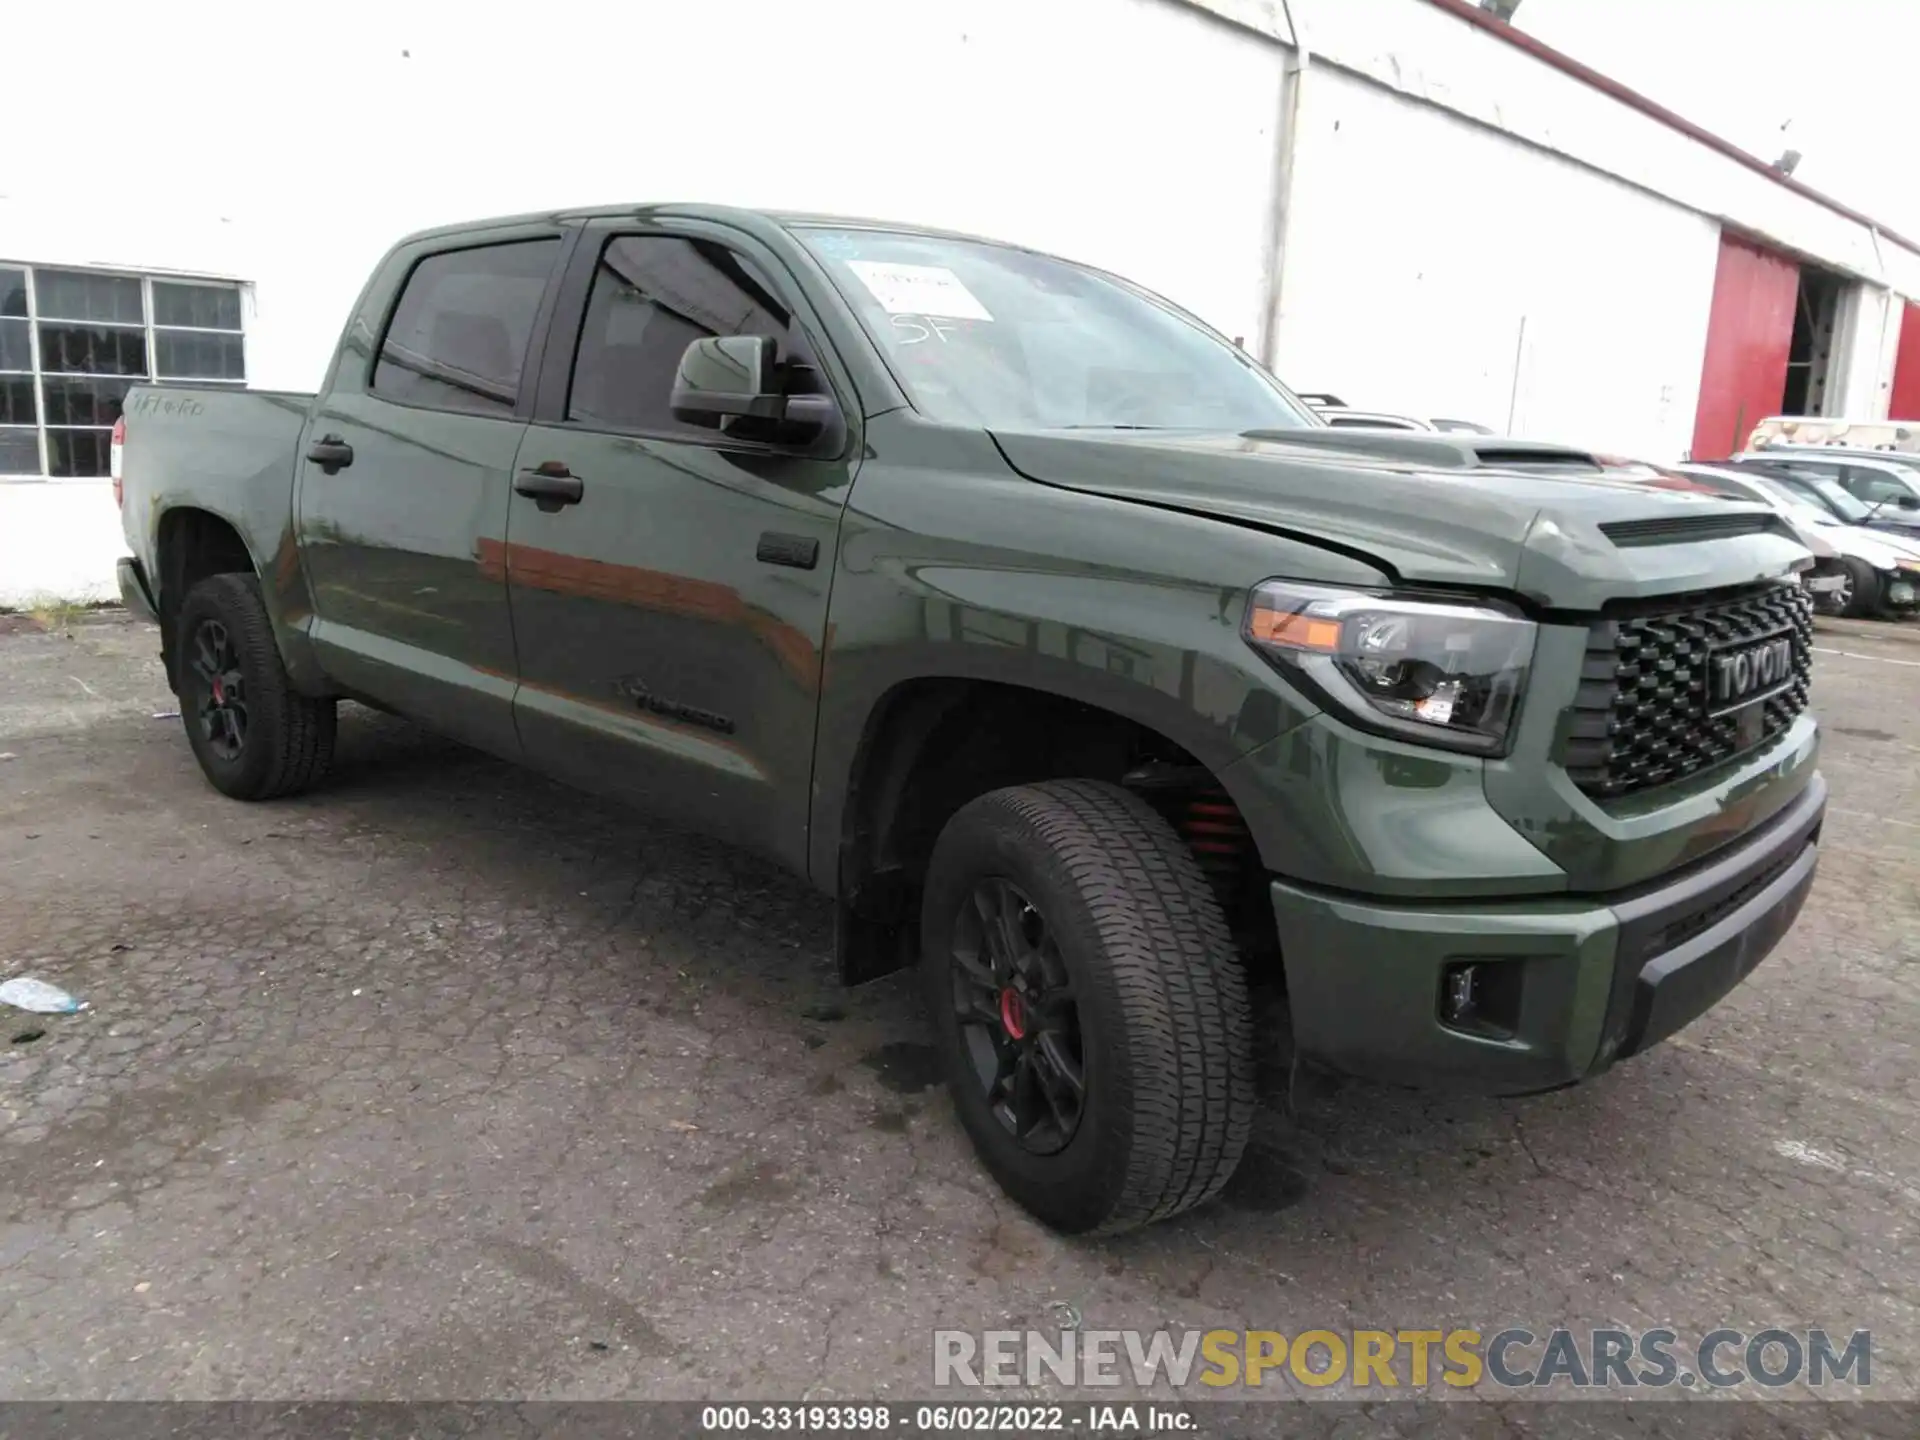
(632, 687)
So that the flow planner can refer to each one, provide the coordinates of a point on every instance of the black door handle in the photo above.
(550, 485)
(331, 454)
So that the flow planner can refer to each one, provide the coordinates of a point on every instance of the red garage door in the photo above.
(1906, 370)
(1749, 331)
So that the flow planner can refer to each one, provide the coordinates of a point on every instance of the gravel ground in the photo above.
(446, 1082)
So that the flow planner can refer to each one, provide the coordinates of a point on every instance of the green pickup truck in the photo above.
(1079, 663)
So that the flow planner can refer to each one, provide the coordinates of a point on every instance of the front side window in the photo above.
(1801, 508)
(458, 337)
(985, 335)
(652, 296)
(1814, 480)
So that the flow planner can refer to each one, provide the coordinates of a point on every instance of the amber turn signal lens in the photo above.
(1300, 632)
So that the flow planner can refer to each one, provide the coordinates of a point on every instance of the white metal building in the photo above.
(1401, 201)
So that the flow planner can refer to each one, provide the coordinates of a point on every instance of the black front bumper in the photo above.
(1595, 978)
(1684, 945)
(134, 593)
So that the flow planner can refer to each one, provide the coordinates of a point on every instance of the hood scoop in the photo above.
(1507, 457)
(1433, 451)
(1685, 529)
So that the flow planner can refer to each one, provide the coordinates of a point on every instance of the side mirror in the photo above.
(724, 376)
(1908, 502)
(731, 383)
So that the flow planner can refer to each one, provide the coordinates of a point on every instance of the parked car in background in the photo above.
(1878, 460)
(1340, 415)
(1877, 477)
(1857, 570)
(1825, 478)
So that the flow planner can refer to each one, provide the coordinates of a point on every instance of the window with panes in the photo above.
(72, 342)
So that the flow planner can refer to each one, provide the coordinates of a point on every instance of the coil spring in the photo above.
(1210, 823)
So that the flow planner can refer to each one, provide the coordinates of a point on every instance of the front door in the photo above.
(670, 620)
(405, 479)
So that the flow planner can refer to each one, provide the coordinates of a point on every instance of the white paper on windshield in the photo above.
(930, 290)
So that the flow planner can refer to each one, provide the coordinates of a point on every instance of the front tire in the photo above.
(255, 736)
(1089, 1007)
(1862, 595)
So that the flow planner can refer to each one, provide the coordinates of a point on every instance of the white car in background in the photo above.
(1873, 571)
(1342, 416)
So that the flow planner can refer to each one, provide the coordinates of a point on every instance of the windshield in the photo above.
(985, 335)
(1840, 500)
(1797, 504)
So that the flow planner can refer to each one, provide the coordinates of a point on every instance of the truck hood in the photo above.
(1448, 510)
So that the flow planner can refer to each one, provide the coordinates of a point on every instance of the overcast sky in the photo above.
(1843, 77)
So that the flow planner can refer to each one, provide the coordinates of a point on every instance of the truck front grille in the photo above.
(1644, 712)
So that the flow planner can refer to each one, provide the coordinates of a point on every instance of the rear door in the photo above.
(405, 473)
(670, 621)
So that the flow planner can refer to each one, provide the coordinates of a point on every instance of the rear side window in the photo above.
(458, 337)
(652, 297)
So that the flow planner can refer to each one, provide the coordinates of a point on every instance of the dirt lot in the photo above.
(447, 1082)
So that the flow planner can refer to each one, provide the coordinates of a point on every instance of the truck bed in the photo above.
(214, 447)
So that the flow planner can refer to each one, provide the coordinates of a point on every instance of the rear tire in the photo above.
(255, 736)
(1864, 597)
(1114, 915)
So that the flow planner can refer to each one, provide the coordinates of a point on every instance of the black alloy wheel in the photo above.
(218, 690)
(1087, 1003)
(255, 735)
(1019, 1025)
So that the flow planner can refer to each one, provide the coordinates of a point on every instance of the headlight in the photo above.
(1433, 671)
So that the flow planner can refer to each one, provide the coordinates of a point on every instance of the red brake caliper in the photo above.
(1013, 1014)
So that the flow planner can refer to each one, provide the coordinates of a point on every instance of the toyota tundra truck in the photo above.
(1084, 668)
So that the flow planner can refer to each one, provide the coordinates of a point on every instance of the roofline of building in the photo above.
(1470, 12)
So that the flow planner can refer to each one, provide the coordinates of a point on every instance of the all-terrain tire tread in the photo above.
(1188, 1022)
(299, 729)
